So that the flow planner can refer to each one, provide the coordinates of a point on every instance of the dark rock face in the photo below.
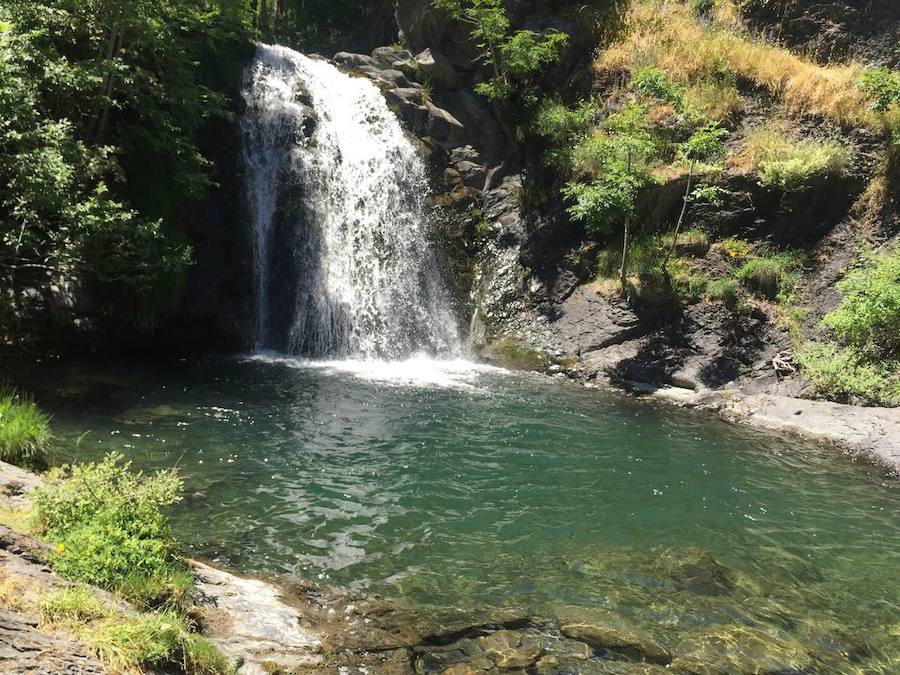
(866, 29)
(589, 321)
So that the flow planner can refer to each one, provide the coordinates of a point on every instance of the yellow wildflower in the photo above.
(60, 548)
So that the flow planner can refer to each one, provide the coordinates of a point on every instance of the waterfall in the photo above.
(337, 195)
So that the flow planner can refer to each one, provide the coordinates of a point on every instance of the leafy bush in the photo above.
(771, 276)
(882, 86)
(868, 318)
(606, 202)
(514, 58)
(557, 122)
(24, 432)
(840, 371)
(789, 164)
(652, 82)
(107, 523)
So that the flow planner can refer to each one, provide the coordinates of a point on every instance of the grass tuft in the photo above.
(723, 290)
(771, 277)
(24, 432)
(787, 163)
(72, 607)
(124, 642)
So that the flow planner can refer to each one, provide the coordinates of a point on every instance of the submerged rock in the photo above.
(607, 631)
(740, 649)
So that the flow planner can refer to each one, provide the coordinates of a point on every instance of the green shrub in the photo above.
(723, 290)
(652, 82)
(882, 86)
(771, 277)
(557, 122)
(106, 522)
(868, 318)
(838, 371)
(24, 432)
(789, 164)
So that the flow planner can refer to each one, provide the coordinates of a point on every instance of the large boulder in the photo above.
(437, 68)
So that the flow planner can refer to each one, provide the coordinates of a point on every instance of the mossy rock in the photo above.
(514, 354)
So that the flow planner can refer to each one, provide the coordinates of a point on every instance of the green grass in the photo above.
(723, 290)
(72, 607)
(163, 641)
(25, 438)
(154, 641)
(692, 242)
(772, 277)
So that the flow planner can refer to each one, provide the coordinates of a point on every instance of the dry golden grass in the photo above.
(666, 34)
(18, 592)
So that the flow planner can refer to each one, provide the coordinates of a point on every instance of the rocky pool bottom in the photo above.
(478, 520)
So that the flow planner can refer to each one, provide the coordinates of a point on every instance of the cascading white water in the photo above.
(337, 197)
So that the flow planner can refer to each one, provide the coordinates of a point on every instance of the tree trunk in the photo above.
(687, 196)
(623, 271)
(113, 44)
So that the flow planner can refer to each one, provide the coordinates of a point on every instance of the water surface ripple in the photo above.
(465, 486)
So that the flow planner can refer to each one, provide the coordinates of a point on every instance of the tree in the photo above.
(618, 155)
(704, 143)
(512, 57)
(101, 106)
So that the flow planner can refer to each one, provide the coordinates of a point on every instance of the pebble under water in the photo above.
(461, 486)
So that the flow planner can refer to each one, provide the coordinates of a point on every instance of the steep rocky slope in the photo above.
(536, 297)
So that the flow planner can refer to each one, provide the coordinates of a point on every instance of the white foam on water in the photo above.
(418, 371)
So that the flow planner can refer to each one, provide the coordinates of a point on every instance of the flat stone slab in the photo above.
(249, 621)
(24, 648)
(870, 432)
